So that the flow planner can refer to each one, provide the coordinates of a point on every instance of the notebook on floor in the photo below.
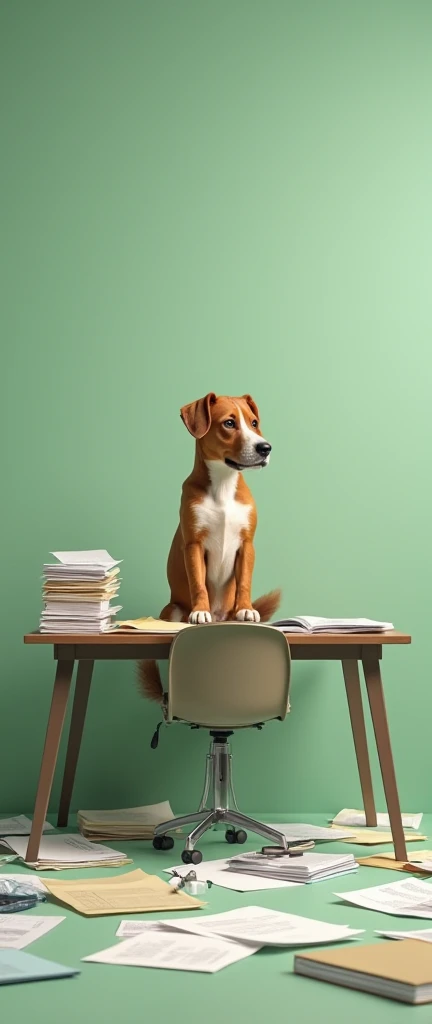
(397, 970)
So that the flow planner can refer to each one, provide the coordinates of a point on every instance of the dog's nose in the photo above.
(263, 448)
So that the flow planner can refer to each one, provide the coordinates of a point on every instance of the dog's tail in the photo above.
(268, 604)
(149, 681)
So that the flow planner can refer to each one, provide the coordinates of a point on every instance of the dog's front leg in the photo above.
(196, 574)
(243, 610)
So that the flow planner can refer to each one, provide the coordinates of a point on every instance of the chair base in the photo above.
(223, 808)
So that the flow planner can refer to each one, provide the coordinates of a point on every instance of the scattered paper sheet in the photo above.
(128, 928)
(217, 872)
(424, 934)
(265, 928)
(294, 832)
(124, 895)
(17, 930)
(353, 817)
(409, 898)
(371, 837)
(67, 851)
(415, 863)
(19, 825)
(174, 951)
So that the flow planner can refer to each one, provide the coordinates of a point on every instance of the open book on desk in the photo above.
(316, 624)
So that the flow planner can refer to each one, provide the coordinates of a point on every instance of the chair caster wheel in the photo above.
(233, 835)
(163, 843)
(191, 856)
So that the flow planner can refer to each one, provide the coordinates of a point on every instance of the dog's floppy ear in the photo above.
(252, 405)
(197, 415)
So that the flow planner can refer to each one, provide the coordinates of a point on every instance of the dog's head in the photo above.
(227, 430)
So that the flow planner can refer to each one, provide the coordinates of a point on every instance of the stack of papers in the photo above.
(316, 624)
(253, 924)
(309, 867)
(349, 817)
(133, 893)
(409, 898)
(56, 853)
(126, 823)
(77, 591)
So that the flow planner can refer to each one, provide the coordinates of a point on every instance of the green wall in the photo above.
(230, 196)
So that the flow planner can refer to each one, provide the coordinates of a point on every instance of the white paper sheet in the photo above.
(296, 831)
(409, 898)
(18, 930)
(424, 934)
(96, 557)
(174, 951)
(265, 927)
(128, 928)
(19, 825)
(217, 872)
(70, 849)
(358, 818)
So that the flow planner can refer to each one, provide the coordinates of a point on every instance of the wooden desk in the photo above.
(348, 649)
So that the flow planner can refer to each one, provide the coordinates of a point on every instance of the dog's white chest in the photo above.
(224, 519)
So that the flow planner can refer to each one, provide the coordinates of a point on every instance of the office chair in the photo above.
(223, 677)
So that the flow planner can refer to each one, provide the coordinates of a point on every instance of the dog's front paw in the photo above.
(199, 618)
(247, 615)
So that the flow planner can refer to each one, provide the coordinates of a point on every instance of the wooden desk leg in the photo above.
(355, 704)
(50, 752)
(371, 668)
(82, 690)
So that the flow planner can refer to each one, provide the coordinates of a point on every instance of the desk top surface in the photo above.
(117, 638)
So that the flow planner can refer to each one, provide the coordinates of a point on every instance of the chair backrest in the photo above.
(229, 675)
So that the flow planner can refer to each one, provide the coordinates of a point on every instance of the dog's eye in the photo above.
(229, 423)
(254, 423)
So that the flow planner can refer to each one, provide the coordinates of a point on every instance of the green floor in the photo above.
(252, 990)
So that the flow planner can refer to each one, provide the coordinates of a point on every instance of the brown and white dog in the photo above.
(211, 560)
